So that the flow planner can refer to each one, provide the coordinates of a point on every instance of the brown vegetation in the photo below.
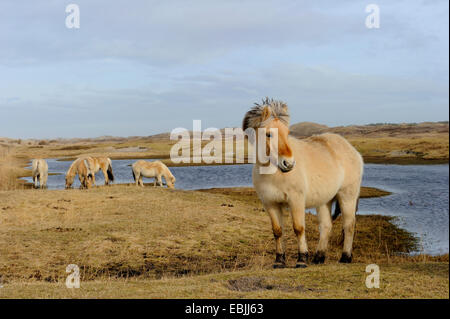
(152, 233)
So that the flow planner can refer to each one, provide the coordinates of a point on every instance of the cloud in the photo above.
(144, 67)
(166, 33)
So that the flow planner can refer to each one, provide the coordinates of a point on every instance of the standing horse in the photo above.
(309, 173)
(83, 167)
(40, 173)
(104, 164)
(154, 169)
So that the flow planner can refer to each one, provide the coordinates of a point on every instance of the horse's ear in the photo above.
(265, 113)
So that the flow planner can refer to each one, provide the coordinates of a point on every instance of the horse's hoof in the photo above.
(278, 265)
(346, 258)
(300, 265)
(280, 258)
(319, 257)
(303, 258)
(280, 261)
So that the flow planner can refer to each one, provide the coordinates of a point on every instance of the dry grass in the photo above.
(147, 234)
(408, 280)
(11, 168)
(249, 193)
(131, 242)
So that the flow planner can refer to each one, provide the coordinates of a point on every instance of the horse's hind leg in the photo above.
(348, 207)
(325, 224)
(105, 174)
(41, 181)
(45, 180)
(276, 216)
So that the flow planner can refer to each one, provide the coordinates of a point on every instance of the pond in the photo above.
(420, 196)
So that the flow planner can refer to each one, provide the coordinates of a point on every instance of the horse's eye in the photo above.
(269, 134)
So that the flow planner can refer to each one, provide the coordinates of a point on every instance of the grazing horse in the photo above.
(104, 164)
(83, 167)
(309, 173)
(40, 173)
(154, 169)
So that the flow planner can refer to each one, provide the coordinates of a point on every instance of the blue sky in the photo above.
(145, 67)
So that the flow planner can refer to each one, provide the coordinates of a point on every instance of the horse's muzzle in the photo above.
(286, 165)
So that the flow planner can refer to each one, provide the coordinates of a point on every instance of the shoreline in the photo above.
(367, 160)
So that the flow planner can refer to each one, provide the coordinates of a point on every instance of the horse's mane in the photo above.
(71, 169)
(278, 110)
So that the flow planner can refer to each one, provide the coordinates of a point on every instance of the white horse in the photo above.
(39, 169)
(309, 173)
(154, 169)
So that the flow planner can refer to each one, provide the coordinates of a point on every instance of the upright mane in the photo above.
(268, 110)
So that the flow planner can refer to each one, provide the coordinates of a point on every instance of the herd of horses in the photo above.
(87, 166)
(310, 173)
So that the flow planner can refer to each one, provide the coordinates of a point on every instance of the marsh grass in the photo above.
(11, 168)
(124, 231)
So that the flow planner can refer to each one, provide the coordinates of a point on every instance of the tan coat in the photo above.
(154, 169)
(309, 173)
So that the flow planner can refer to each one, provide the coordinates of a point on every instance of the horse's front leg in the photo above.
(159, 180)
(276, 217)
(35, 180)
(297, 207)
(45, 180)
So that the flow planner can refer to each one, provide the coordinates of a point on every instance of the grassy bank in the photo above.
(129, 238)
(407, 280)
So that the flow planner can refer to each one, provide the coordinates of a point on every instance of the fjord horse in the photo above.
(154, 169)
(83, 167)
(39, 170)
(309, 173)
(103, 164)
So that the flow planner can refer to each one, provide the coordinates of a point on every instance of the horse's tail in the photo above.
(88, 169)
(337, 210)
(134, 176)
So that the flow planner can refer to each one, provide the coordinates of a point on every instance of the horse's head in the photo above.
(170, 181)
(273, 117)
(69, 181)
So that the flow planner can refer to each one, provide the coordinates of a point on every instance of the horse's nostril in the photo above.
(287, 164)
